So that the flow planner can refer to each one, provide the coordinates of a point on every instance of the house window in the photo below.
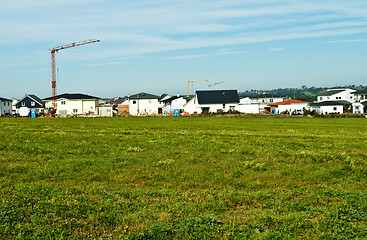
(134, 102)
(329, 98)
(320, 98)
(334, 108)
(271, 100)
(22, 104)
(33, 104)
(75, 110)
(63, 102)
(231, 108)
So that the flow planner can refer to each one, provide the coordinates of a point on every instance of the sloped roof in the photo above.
(143, 95)
(360, 92)
(72, 96)
(174, 98)
(163, 96)
(217, 96)
(4, 99)
(330, 92)
(287, 102)
(331, 103)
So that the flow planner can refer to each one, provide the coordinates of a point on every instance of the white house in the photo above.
(258, 103)
(360, 101)
(5, 107)
(143, 104)
(211, 101)
(334, 101)
(292, 106)
(345, 94)
(330, 107)
(70, 104)
(28, 103)
(172, 103)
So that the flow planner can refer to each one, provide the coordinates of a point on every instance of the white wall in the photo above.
(143, 106)
(328, 109)
(248, 108)
(23, 111)
(293, 107)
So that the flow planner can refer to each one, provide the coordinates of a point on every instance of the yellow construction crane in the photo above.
(203, 80)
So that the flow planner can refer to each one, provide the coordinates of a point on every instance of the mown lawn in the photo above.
(183, 178)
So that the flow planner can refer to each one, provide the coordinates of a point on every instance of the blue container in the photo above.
(176, 112)
(276, 110)
(33, 113)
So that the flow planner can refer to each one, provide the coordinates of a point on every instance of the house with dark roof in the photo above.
(292, 106)
(345, 94)
(334, 101)
(73, 104)
(27, 103)
(143, 104)
(211, 101)
(360, 101)
(331, 107)
(5, 107)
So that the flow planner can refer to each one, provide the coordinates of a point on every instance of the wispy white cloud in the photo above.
(103, 64)
(348, 41)
(142, 27)
(276, 49)
(189, 56)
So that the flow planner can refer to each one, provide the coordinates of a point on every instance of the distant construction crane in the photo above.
(204, 80)
(53, 64)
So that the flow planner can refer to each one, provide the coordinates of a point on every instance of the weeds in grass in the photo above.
(183, 178)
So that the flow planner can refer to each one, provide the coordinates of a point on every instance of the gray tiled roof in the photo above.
(330, 92)
(143, 95)
(72, 96)
(331, 103)
(4, 99)
(217, 96)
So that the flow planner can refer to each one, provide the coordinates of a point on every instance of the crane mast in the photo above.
(53, 64)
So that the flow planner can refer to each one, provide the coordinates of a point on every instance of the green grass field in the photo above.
(183, 178)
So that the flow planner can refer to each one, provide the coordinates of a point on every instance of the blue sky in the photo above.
(153, 46)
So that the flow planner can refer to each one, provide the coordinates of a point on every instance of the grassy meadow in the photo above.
(183, 178)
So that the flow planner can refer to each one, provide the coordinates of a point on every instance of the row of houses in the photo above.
(205, 101)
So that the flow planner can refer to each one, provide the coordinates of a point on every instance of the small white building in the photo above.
(143, 104)
(28, 103)
(331, 107)
(212, 101)
(5, 107)
(73, 104)
(105, 111)
(341, 94)
(292, 106)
